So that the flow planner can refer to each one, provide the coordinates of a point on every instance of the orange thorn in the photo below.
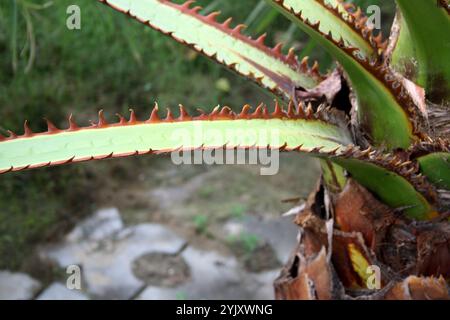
(212, 16)
(169, 117)
(101, 120)
(187, 4)
(184, 116)
(227, 23)
(363, 21)
(278, 111)
(133, 119)
(304, 63)
(12, 135)
(316, 149)
(238, 29)
(27, 132)
(315, 67)
(122, 120)
(51, 128)
(316, 25)
(215, 112)
(72, 125)
(202, 116)
(301, 110)
(244, 112)
(196, 9)
(291, 57)
(266, 114)
(277, 48)
(261, 39)
(154, 117)
(291, 110)
(257, 114)
(226, 113)
(309, 111)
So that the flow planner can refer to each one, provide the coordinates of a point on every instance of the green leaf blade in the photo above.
(428, 28)
(378, 91)
(334, 18)
(266, 66)
(141, 138)
(222, 128)
(390, 187)
(436, 167)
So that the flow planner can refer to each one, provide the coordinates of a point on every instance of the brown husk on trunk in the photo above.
(332, 256)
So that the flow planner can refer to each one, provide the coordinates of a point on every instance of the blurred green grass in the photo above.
(112, 63)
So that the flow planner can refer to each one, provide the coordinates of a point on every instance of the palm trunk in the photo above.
(353, 246)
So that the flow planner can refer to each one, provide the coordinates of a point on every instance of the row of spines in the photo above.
(293, 112)
(380, 70)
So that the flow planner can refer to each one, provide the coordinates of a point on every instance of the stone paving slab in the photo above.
(106, 250)
(215, 277)
(280, 232)
(17, 286)
(106, 256)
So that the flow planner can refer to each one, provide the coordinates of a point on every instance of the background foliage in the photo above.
(112, 63)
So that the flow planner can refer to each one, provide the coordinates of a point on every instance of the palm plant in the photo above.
(378, 124)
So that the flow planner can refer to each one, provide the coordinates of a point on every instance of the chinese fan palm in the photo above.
(384, 196)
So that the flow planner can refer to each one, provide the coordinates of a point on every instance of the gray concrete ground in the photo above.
(176, 233)
(106, 250)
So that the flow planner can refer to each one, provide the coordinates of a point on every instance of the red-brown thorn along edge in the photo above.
(302, 111)
(290, 59)
(402, 166)
(219, 113)
(356, 20)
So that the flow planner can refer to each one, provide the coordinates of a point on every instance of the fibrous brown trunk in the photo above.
(351, 246)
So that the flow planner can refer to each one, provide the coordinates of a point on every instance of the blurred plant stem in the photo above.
(25, 8)
(255, 12)
(14, 37)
